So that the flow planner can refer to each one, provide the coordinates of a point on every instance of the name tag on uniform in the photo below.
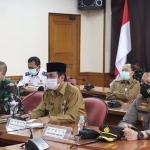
(51, 103)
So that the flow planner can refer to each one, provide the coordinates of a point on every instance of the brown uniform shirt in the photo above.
(124, 90)
(65, 107)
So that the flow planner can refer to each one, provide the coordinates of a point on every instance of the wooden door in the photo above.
(64, 41)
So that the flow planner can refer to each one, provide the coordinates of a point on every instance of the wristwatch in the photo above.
(140, 135)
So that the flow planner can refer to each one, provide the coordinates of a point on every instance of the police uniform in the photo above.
(34, 81)
(9, 92)
(138, 111)
(66, 107)
(124, 90)
(138, 74)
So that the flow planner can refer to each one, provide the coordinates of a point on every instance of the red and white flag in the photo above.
(124, 46)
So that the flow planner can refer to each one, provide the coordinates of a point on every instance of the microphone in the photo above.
(33, 143)
(31, 135)
(40, 89)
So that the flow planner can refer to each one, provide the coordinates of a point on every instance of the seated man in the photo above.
(8, 91)
(34, 78)
(139, 111)
(62, 102)
(138, 71)
(126, 89)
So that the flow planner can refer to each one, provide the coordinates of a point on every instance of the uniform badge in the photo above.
(142, 118)
(143, 107)
(148, 91)
(106, 129)
(30, 83)
(27, 74)
(40, 83)
(145, 104)
(51, 103)
(44, 73)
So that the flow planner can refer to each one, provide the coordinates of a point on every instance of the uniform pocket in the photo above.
(143, 116)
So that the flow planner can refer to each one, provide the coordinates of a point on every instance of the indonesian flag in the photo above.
(124, 46)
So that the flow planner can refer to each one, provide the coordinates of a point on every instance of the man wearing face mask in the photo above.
(125, 89)
(62, 102)
(139, 111)
(34, 78)
(8, 91)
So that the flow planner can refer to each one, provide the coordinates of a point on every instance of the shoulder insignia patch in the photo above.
(44, 73)
(27, 74)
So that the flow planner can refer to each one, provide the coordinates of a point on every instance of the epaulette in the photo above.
(44, 73)
(27, 74)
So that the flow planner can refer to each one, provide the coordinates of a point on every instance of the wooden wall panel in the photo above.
(15, 78)
(97, 79)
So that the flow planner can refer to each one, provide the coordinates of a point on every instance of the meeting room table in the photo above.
(14, 138)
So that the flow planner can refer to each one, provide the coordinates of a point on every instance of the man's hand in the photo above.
(43, 120)
(27, 116)
(130, 135)
(5, 116)
(126, 125)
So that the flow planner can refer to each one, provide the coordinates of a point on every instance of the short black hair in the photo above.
(3, 66)
(136, 62)
(35, 59)
(62, 73)
(132, 66)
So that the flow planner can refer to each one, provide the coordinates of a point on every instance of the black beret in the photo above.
(56, 67)
(110, 133)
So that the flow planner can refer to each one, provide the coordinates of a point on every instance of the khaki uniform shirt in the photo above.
(138, 111)
(124, 90)
(65, 107)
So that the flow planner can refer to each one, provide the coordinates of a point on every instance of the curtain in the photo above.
(139, 12)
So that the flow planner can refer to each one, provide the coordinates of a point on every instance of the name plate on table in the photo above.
(57, 133)
(14, 124)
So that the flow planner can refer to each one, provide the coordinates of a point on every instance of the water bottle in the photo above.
(81, 123)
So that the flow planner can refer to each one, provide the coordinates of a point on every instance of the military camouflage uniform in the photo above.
(124, 90)
(138, 111)
(8, 92)
(138, 74)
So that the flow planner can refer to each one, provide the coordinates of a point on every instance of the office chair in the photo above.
(32, 102)
(96, 110)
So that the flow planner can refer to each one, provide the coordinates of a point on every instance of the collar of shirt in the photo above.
(128, 81)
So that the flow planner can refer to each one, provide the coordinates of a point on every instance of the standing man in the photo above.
(61, 102)
(34, 78)
(125, 89)
(8, 92)
(139, 111)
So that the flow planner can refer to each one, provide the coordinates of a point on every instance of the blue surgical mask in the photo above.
(125, 75)
(33, 72)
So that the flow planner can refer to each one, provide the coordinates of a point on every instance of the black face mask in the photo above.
(145, 90)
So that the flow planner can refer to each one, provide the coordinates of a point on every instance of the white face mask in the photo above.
(52, 84)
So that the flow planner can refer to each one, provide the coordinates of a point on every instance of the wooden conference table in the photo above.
(96, 90)
(118, 145)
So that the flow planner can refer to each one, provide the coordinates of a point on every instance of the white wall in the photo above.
(24, 33)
